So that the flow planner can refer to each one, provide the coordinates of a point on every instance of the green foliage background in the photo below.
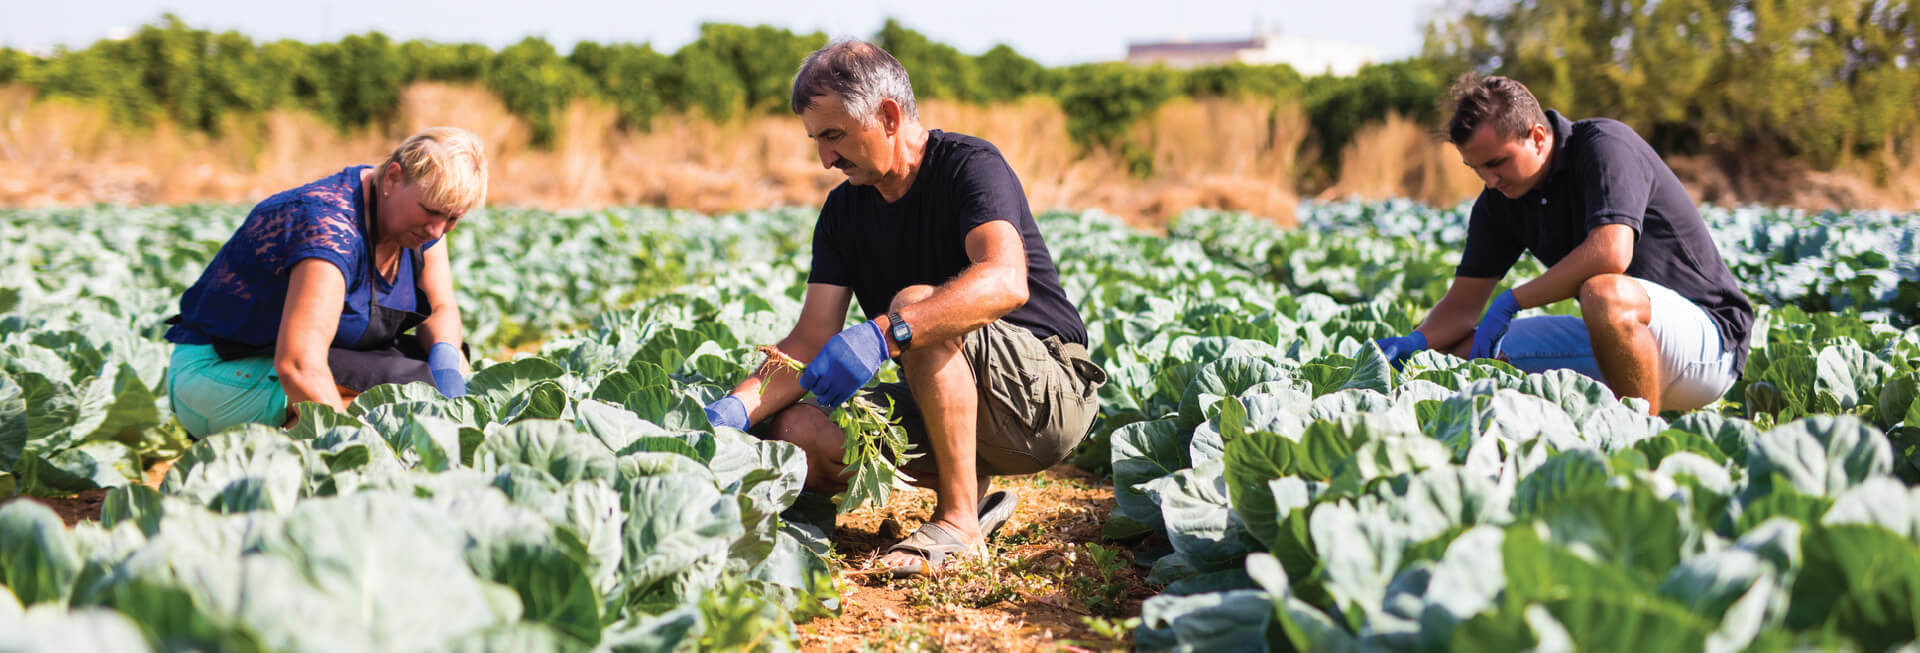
(1817, 79)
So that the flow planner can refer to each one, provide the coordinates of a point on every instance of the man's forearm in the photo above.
(1564, 279)
(1448, 325)
(976, 298)
(772, 388)
(1608, 249)
(1452, 321)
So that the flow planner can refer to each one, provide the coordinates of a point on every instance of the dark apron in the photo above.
(380, 355)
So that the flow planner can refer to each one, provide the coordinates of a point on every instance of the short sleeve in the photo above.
(1615, 179)
(1492, 245)
(829, 263)
(988, 191)
(322, 225)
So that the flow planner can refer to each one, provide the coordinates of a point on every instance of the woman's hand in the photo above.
(315, 293)
(444, 363)
(443, 324)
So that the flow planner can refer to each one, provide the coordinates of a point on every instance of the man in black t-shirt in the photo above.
(1661, 317)
(932, 234)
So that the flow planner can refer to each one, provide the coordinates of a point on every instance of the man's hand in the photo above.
(728, 411)
(1398, 349)
(1494, 324)
(849, 360)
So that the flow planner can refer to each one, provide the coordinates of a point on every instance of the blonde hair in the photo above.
(448, 164)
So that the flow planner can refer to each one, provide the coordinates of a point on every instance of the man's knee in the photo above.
(806, 426)
(802, 425)
(910, 295)
(1614, 298)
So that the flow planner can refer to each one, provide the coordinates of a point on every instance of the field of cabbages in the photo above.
(1280, 486)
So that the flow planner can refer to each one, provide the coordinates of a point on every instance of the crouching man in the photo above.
(1661, 317)
(932, 234)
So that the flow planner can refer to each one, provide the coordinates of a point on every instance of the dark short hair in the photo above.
(859, 72)
(1501, 102)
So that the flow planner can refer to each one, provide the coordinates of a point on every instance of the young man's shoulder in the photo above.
(1606, 130)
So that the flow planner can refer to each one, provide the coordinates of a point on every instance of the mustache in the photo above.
(842, 164)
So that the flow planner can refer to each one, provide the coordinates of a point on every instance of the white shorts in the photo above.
(1694, 371)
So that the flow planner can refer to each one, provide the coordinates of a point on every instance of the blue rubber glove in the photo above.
(728, 411)
(849, 360)
(1398, 349)
(1493, 324)
(443, 362)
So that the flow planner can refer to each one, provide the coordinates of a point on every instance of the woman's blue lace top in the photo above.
(241, 294)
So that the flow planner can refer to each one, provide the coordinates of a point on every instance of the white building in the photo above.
(1308, 56)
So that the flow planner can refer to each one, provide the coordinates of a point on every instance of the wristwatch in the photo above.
(902, 334)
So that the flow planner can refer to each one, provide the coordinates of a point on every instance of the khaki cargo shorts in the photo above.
(1038, 399)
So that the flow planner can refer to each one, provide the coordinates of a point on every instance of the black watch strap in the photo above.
(898, 331)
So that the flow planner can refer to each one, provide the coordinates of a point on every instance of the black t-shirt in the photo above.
(1603, 173)
(878, 248)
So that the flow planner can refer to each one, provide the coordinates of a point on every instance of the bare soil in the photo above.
(1035, 591)
(86, 505)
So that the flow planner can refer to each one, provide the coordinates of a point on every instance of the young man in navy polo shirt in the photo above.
(1661, 317)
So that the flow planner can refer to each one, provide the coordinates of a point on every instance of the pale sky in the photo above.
(1054, 33)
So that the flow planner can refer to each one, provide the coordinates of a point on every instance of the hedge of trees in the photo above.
(1819, 79)
(172, 71)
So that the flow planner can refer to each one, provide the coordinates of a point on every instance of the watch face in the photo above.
(900, 332)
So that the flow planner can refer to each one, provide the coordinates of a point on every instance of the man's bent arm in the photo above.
(1453, 319)
(1608, 249)
(821, 315)
(993, 286)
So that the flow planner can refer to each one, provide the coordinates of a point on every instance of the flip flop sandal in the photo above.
(995, 510)
(935, 545)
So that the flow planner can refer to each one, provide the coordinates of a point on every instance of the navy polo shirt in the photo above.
(1602, 173)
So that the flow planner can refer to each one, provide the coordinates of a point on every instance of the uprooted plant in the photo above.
(876, 446)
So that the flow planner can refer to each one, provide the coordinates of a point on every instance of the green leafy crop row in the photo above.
(1300, 493)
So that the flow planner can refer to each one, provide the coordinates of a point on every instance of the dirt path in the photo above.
(1035, 592)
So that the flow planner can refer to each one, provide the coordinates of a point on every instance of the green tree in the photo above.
(1005, 74)
(1818, 79)
(702, 81)
(762, 59)
(1241, 80)
(535, 83)
(1338, 106)
(365, 73)
(107, 71)
(632, 77)
(1103, 100)
(300, 77)
(937, 69)
(16, 66)
(445, 62)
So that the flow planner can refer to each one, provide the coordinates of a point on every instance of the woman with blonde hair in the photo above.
(310, 297)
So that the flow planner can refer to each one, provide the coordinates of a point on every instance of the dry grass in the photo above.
(1402, 158)
(1887, 179)
(1220, 154)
